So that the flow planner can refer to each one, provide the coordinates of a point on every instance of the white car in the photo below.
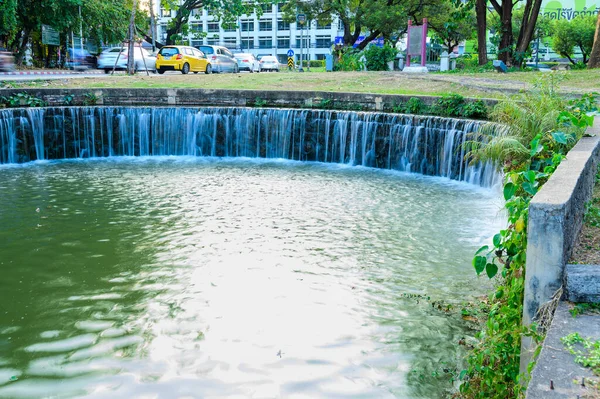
(247, 62)
(269, 63)
(142, 59)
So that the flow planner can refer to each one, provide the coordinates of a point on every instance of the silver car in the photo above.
(142, 59)
(247, 62)
(221, 59)
(269, 63)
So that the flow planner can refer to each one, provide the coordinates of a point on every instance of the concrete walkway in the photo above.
(556, 375)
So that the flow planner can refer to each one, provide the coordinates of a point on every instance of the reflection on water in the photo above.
(205, 278)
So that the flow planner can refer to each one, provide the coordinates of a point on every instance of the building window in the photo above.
(280, 7)
(305, 42)
(265, 42)
(283, 42)
(213, 27)
(340, 25)
(247, 43)
(282, 25)
(165, 13)
(196, 28)
(247, 26)
(265, 26)
(196, 12)
(229, 42)
(320, 56)
(230, 27)
(213, 41)
(325, 26)
(323, 42)
(196, 43)
(266, 8)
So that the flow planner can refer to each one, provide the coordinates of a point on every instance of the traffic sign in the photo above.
(301, 18)
(290, 53)
(290, 62)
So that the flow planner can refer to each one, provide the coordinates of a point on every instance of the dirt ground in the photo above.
(587, 250)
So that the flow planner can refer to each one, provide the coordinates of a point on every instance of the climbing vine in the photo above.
(493, 365)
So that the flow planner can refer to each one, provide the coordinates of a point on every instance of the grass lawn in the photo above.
(483, 85)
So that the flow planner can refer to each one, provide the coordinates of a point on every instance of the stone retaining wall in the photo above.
(555, 220)
(222, 97)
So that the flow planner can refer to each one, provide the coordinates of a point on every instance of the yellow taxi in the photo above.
(182, 58)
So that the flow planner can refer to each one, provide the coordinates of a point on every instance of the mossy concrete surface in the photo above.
(556, 375)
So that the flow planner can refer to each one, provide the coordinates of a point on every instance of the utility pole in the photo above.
(152, 26)
(131, 42)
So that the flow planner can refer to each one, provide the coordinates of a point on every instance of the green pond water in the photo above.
(204, 278)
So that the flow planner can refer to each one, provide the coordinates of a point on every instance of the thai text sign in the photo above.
(416, 40)
(50, 36)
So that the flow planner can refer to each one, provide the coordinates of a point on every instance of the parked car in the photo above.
(80, 59)
(269, 63)
(7, 61)
(247, 62)
(182, 58)
(142, 59)
(221, 59)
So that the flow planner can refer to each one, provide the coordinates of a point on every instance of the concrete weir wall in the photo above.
(224, 98)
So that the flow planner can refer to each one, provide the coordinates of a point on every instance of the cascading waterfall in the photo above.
(417, 144)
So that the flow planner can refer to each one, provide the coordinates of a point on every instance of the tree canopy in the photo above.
(103, 21)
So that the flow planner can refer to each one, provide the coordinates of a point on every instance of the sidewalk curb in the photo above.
(24, 73)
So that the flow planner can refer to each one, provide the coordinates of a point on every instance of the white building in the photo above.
(267, 35)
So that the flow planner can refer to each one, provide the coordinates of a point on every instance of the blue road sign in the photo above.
(290, 53)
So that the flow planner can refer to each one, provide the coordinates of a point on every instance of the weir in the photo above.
(418, 144)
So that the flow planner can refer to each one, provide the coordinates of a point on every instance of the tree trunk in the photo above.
(506, 40)
(131, 44)
(481, 12)
(175, 28)
(22, 47)
(595, 54)
(527, 30)
(368, 40)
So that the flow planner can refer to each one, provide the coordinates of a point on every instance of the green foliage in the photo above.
(350, 61)
(493, 366)
(581, 308)
(314, 63)
(90, 99)
(474, 110)
(469, 63)
(586, 351)
(414, 105)
(68, 99)
(22, 100)
(592, 213)
(378, 57)
(259, 102)
(576, 33)
(450, 105)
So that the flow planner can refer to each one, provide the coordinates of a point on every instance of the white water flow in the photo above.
(417, 144)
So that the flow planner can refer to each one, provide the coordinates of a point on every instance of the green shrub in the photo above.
(414, 105)
(313, 63)
(475, 110)
(378, 57)
(350, 61)
(449, 105)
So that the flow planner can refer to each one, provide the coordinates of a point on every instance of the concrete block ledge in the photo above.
(582, 283)
(228, 98)
(556, 364)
